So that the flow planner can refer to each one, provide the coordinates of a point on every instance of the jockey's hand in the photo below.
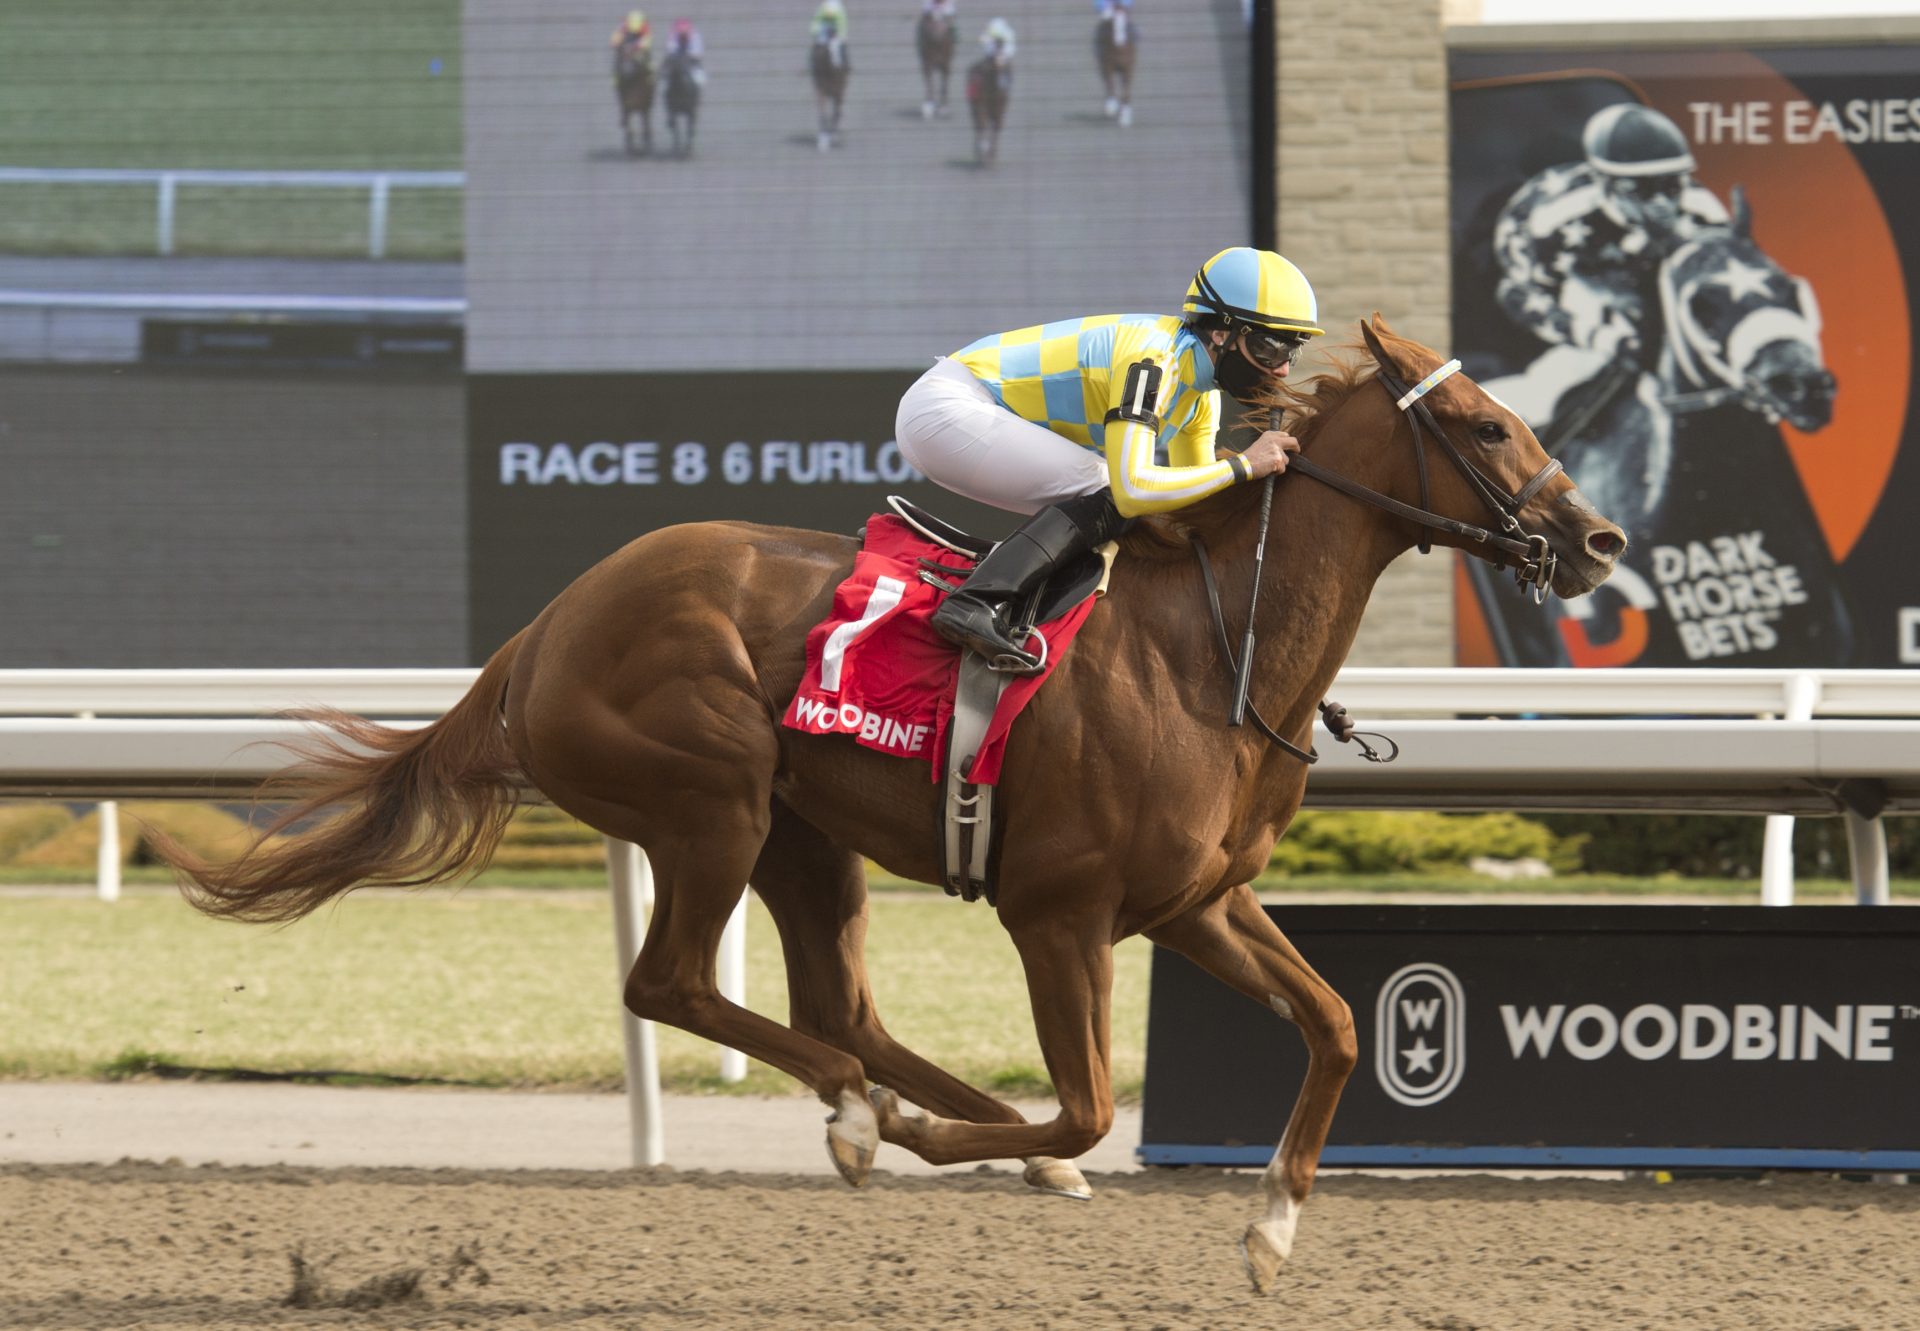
(1267, 455)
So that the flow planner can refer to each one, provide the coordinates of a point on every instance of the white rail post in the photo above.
(377, 219)
(106, 864)
(107, 871)
(1776, 851)
(1867, 843)
(733, 983)
(163, 241)
(631, 879)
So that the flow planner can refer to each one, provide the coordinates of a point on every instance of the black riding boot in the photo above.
(976, 614)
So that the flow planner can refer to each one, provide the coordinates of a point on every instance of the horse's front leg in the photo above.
(1232, 939)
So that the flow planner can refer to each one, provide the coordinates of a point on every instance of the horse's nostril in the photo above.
(1606, 543)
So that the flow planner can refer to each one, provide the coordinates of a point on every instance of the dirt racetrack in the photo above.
(98, 1246)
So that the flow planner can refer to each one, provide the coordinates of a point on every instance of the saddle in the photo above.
(967, 825)
(1068, 585)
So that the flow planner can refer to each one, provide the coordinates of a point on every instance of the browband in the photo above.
(1428, 384)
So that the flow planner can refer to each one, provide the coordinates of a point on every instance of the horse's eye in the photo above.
(1490, 432)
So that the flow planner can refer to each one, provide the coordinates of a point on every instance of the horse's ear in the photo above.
(1742, 213)
(1374, 344)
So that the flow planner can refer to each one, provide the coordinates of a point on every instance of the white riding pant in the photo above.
(952, 429)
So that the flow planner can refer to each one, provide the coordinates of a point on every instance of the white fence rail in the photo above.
(167, 183)
(1830, 743)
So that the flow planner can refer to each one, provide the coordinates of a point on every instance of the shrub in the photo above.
(1367, 842)
(1722, 845)
(24, 826)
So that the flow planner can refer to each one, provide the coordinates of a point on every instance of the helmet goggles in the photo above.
(1269, 348)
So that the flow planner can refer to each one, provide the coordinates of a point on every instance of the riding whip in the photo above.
(1243, 669)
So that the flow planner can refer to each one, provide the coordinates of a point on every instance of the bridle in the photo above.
(1532, 559)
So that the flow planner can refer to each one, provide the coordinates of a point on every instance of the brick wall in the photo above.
(1362, 194)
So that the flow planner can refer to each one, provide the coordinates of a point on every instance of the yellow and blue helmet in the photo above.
(1244, 285)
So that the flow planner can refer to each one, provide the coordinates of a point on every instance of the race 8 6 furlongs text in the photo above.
(648, 462)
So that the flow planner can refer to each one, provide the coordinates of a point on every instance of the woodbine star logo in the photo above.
(1420, 1034)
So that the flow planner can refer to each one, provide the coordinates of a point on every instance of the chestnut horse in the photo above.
(1115, 44)
(830, 67)
(646, 701)
(934, 38)
(633, 85)
(989, 88)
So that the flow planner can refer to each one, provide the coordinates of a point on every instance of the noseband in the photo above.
(1532, 560)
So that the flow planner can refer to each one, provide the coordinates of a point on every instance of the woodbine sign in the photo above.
(1627, 1036)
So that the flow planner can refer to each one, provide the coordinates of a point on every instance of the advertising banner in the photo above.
(1618, 1036)
(1685, 269)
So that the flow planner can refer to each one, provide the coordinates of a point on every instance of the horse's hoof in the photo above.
(1126, 116)
(1062, 1178)
(1265, 1248)
(926, 110)
(825, 143)
(1113, 108)
(853, 1135)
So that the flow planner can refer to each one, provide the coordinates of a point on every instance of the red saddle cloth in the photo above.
(877, 671)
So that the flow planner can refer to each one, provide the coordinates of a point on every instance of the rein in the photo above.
(1534, 562)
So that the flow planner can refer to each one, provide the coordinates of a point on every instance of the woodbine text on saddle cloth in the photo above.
(877, 672)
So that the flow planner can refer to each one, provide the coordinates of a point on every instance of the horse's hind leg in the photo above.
(1232, 939)
(817, 894)
(1069, 968)
(701, 762)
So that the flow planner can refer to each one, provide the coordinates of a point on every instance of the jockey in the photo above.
(830, 21)
(937, 8)
(686, 42)
(686, 39)
(1089, 422)
(634, 38)
(1581, 245)
(997, 41)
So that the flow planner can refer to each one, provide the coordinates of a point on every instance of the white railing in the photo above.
(1818, 742)
(170, 302)
(166, 183)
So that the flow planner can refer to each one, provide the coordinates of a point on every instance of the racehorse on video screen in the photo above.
(829, 64)
(1116, 40)
(682, 97)
(644, 701)
(934, 38)
(633, 84)
(989, 89)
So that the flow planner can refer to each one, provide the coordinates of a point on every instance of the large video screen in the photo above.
(843, 218)
(710, 309)
(1687, 270)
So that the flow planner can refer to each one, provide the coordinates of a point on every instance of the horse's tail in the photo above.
(421, 806)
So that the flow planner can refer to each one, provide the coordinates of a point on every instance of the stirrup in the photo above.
(1006, 663)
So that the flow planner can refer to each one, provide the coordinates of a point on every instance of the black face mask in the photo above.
(1238, 377)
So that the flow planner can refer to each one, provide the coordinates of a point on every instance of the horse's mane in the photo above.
(1307, 406)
